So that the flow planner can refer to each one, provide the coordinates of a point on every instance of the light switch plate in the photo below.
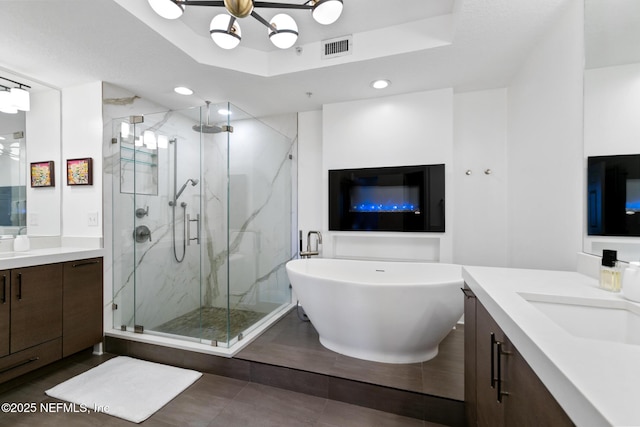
(92, 219)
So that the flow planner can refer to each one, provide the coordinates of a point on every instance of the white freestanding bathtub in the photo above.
(391, 312)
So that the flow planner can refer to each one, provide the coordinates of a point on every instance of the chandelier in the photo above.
(225, 29)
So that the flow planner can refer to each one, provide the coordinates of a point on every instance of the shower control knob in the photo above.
(141, 234)
(141, 213)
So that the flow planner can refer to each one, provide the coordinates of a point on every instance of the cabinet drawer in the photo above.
(32, 358)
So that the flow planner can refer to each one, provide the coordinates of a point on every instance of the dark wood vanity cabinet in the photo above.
(501, 389)
(5, 313)
(82, 305)
(48, 312)
(36, 305)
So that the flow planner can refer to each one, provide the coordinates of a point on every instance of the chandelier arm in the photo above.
(231, 22)
(263, 21)
(270, 5)
(263, 4)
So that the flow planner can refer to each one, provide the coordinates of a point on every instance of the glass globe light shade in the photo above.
(20, 99)
(286, 32)
(221, 34)
(168, 9)
(6, 103)
(327, 12)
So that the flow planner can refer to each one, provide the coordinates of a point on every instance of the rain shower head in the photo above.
(207, 128)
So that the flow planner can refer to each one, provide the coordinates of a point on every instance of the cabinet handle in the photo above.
(4, 288)
(501, 352)
(80, 264)
(493, 371)
(467, 293)
(19, 286)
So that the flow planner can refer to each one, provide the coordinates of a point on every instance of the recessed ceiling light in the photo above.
(380, 84)
(224, 112)
(183, 90)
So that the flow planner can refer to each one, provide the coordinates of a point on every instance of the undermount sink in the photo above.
(605, 320)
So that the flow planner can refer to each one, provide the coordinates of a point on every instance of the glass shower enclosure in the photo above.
(202, 223)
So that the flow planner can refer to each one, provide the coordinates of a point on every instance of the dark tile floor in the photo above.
(293, 343)
(211, 401)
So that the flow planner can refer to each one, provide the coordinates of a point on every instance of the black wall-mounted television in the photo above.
(613, 195)
(402, 198)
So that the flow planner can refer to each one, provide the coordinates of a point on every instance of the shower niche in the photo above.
(402, 198)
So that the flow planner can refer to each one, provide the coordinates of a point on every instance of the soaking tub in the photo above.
(391, 312)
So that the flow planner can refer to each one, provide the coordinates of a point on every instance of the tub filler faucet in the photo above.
(309, 252)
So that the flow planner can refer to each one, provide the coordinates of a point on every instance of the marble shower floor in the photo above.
(210, 323)
(293, 343)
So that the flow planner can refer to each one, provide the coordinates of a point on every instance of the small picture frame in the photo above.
(80, 171)
(43, 174)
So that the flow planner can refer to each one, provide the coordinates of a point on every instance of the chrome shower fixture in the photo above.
(207, 128)
(194, 182)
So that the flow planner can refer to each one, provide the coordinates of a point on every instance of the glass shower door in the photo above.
(159, 204)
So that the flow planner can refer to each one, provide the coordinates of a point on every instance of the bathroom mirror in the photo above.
(27, 137)
(13, 195)
(611, 97)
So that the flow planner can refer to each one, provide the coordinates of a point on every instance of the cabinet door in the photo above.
(82, 303)
(5, 313)
(490, 412)
(36, 305)
(528, 402)
(470, 383)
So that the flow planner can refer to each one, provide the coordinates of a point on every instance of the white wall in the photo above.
(82, 130)
(310, 190)
(411, 129)
(480, 145)
(43, 132)
(527, 213)
(545, 186)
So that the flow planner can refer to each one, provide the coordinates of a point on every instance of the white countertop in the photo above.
(596, 382)
(33, 257)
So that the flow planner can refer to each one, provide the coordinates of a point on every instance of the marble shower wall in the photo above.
(256, 216)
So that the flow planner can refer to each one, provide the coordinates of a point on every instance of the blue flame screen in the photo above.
(390, 198)
(632, 203)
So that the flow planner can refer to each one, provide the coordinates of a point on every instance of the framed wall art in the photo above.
(80, 171)
(42, 174)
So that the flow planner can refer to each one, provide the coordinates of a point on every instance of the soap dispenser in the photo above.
(609, 271)
(631, 282)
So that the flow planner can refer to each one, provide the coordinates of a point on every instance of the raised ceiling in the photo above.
(417, 44)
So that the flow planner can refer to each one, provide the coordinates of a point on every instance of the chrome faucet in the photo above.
(309, 252)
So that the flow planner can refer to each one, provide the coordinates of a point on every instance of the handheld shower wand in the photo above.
(194, 182)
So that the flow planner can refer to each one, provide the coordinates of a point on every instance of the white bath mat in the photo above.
(127, 388)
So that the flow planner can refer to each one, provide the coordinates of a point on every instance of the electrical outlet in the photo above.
(92, 219)
(33, 218)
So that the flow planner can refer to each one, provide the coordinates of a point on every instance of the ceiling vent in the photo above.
(340, 46)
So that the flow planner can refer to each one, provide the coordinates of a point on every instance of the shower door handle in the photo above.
(141, 234)
(189, 221)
